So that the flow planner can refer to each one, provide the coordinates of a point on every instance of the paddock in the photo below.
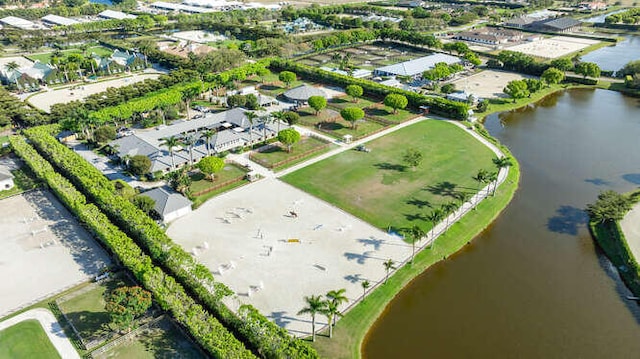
(553, 47)
(488, 84)
(273, 244)
(43, 250)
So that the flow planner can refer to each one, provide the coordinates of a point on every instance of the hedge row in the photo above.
(437, 105)
(168, 293)
(196, 278)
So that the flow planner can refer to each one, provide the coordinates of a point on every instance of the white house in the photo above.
(169, 205)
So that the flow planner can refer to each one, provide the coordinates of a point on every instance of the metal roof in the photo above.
(417, 66)
(117, 15)
(303, 92)
(20, 23)
(59, 20)
(561, 23)
(167, 201)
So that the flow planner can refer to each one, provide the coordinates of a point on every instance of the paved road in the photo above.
(51, 326)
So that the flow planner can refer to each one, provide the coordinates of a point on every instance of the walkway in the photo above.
(631, 228)
(51, 326)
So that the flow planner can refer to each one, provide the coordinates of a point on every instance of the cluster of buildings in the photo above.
(205, 6)
(301, 24)
(27, 75)
(558, 24)
(414, 68)
(51, 20)
(490, 36)
(232, 129)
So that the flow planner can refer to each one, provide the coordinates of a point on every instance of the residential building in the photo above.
(30, 77)
(119, 61)
(232, 130)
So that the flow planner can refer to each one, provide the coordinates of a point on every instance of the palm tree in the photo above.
(492, 177)
(251, 117)
(336, 297)
(388, 265)
(265, 120)
(502, 162)
(481, 177)
(331, 311)
(435, 217)
(170, 143)
(463, 197)
(448, 208)
(315, 305)
(189, 141)
(278, 117)
(365, 285)
(207, 135)
(11, 67)
(415, 234)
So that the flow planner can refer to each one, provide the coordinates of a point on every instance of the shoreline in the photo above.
(351, 331)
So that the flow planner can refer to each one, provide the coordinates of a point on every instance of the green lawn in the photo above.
(380, 189)
(199, 183)
(161, 341)
(46, 57)
(372, 108)
(86, 311)
(334, 125)
(351, 330)
(26, 339)
(277, 154)
(23, 180)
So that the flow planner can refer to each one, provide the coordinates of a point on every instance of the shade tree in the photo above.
(396, 101)
(318, 103)
(352, 115)
(289, 137)
(210, 166)
(516, 89)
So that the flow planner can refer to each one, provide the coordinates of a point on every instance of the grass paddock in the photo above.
(26, 339)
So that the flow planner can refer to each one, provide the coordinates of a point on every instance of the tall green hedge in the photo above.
(195, 277)
(168, 293)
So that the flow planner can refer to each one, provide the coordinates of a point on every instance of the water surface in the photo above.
(613, 58)
(533, 285)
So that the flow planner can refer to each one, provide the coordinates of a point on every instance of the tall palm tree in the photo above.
(448, 208)
(251, 117)
(331, 311)
(415, 234)
(463, 197)
(265, 121)
(481, 177)
(435, 217)
(189, 141)
(365, 285)
(336, 297)
(492, 177)
(278, 117)
(11, 67)
(315, 305)
(388, 266)
(170, 143)
(207, 135)
(502, 162)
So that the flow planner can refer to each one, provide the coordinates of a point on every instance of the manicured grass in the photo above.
(334, 125)
(161, 341)
(351, 330)
(373, 109)
(200, 183)
(507, 104)
(276, 154)
(23, 179)
(86, 311)
(26, 339)
(380, 189)
(46, 57)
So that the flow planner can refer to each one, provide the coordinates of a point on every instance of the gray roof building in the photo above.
(232, 129)
(117, 15)
(303, 92)
(417, 66)
(560, 24)
(169, 205)
(58, 20)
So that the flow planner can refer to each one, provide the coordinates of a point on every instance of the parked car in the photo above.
(362, 148)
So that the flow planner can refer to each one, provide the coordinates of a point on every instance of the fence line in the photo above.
(127, 336)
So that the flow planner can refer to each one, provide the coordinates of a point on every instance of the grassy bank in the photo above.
(611, 239)
(351, 330)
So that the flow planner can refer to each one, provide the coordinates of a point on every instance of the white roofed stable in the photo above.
(20, 23)
(115, 15)
(169, 205)
(59, 20)
(417, 66)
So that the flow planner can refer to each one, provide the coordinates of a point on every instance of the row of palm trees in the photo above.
(327, 306)
(188, 141)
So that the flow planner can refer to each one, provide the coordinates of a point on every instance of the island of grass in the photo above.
(452, 156)
(378, 187)
(26, 339)
(277, 158)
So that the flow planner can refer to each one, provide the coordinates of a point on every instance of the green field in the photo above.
(26, 339)
(276, 154)
(161, 341)
(380, 189)
(199, 183)
(334, 125)
(87, 313)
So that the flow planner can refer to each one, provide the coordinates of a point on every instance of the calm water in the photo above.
(533, 285)
(600, 18)
(613, 58)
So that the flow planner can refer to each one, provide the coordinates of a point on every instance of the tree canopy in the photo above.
(124, 304)
(516, 89)
(396, 101)
(610, 206)
(288, 137)
(352, 115)
(552, 75)
(354, 91)
(287, 77)
(139, 164)
(317, 103)
(210, 166)
(590, 69)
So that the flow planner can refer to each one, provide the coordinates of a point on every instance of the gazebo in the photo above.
(303, 92)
